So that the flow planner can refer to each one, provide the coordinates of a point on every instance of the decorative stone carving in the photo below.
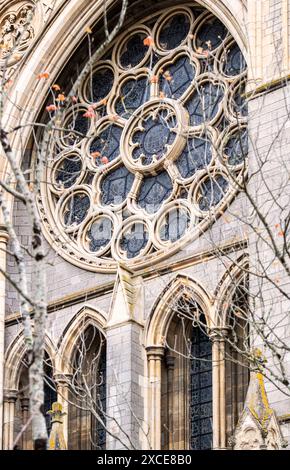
(140, 168)
(127, 296)
(20, 22)
(17, 31)
(56, 438)
(258, 427)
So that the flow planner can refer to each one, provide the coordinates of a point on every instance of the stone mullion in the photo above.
(10, 397)
(155, 357)
(218, 338)
(170, 360)
(25, 416)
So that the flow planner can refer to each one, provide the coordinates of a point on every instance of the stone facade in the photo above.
(131, 307)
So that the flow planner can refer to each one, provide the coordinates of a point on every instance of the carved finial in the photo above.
(56, 439)
(258, 427)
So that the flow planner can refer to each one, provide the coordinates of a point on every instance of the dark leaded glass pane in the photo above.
(100, 233)
(133, 51)
(134, 240)
(101, 84)
(68, 171)
(177, 78)
(174, 31)
(153, 59)
(200, 391)
(116, 185)
(154, 190)
(234, 61)
(107, 142)
(175, 225)
(50, 395)
(76, 209)
(133, 94)
(102, 396)
(236, 148)
(81, 124)
(78, 123)
(196, 156)
(203, 105)
(212, 191)
(211, 34)
(206, 65)
(153, 140)
(240, 105)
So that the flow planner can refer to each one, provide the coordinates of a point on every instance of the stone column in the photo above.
(170, 361)
(62, 382)
(218, 338)
(155, 356)
(24, 401)
(10, 397)
(3, 245)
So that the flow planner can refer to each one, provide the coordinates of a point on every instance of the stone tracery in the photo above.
(154, 149)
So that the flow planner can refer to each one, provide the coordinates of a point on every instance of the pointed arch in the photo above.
(85, 317)
(15, 355)
(226, 288)
(162, 312)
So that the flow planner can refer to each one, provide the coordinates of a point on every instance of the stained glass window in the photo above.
(177, 77)
(174, 31)
(134, 51)
(196, 156)
(204, 103)
(201, 430)
(159, 110)
(102, 82)
(101, 399)
(212, 192)
(133, 94)
(175, 225)
(116, 185)
(77, 123)
(211, 34)
(235, 62)
(236, 148)
(107, 142)
(50, 395)
(152, 141)
(134, 240)
(100, 233)
(68, 171)
(154, 190)
(76, 209)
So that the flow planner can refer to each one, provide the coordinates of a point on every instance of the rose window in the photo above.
(152, 145)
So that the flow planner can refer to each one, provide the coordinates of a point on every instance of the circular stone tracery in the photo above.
(142, 165)
(153, 135)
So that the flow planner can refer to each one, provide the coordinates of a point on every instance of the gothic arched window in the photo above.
(155, 136)
(22, 403)
(87, 407)
(188, 399)
(200, 391)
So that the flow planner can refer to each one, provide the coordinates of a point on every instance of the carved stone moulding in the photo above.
(20, 22)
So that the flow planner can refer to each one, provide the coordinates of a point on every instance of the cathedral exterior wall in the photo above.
(132, 368)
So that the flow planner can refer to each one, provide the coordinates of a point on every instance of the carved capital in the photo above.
(155, 352)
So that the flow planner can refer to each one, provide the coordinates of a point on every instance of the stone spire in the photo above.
(56, 438)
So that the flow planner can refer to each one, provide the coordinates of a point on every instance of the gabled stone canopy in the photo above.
(258, 427)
